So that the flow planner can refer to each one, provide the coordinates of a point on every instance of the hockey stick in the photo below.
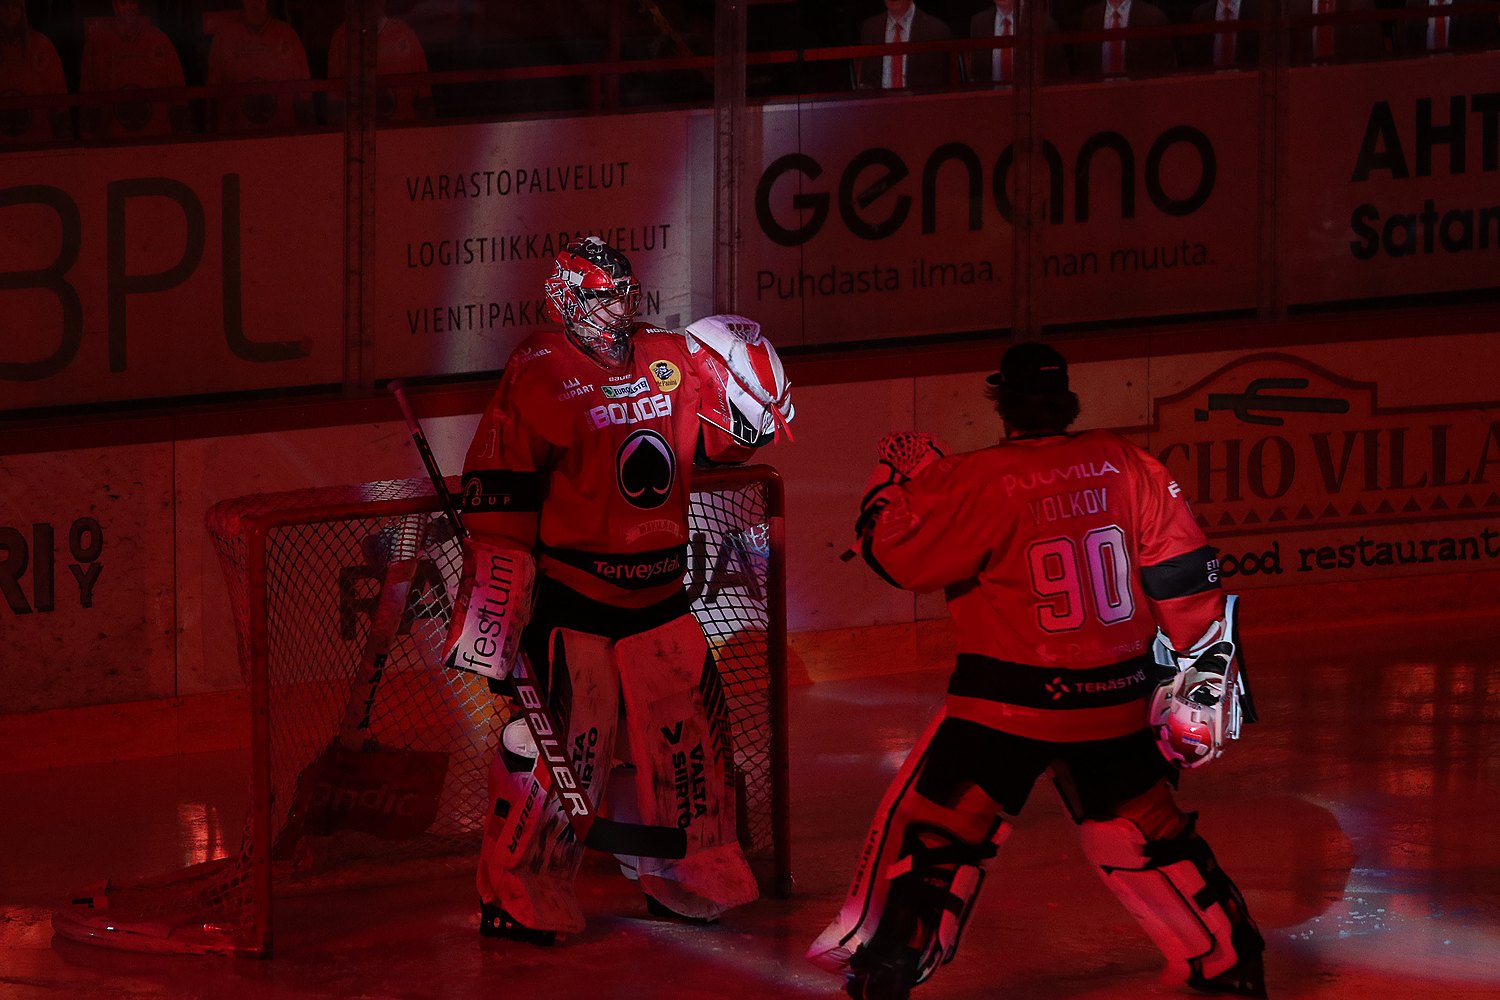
(351, 783)
(558, 776)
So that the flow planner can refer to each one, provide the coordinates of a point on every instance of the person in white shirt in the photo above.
(1135, 57)
(1334, 42)
(1437, 34)
(1229, 49)
(998, 65)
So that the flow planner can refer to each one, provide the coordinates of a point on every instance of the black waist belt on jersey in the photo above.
(633, 571)
(1021, 684)
(560, 606)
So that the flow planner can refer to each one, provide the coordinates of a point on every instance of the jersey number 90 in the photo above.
(1066, 579)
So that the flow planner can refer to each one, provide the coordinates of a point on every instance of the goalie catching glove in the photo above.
(900, 456)
(746, 394)
(493, 606)
(1199, 709)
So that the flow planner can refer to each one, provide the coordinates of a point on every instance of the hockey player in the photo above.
(579, 475)
(1060, 555)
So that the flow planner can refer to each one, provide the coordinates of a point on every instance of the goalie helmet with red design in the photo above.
(594, 295)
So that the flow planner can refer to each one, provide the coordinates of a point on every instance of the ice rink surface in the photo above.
(1361, 818)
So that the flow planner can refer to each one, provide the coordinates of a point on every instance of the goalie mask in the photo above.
(593, 294)
(1198, 710)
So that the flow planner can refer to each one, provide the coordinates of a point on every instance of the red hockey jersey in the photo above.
(143, 60)
(30, 66)
(1059, 556)
(592, 469)
(242, 54)
(398, 52)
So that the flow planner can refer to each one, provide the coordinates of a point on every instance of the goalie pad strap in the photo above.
(1175, 891)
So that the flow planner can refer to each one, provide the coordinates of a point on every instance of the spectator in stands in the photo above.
(1119, 57)
(252, 48)
(398, 51)
(1334, 42)
(1466, 32)
(1228, 49)
(128, 52)
(29, 67)
(997, 66)
(903, 22)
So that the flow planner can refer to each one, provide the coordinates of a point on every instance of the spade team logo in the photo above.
(645, 469)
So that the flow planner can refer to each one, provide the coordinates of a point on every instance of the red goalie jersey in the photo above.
(591, 469)
(1059, 556)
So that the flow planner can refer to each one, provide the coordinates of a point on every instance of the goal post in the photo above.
(367, 759)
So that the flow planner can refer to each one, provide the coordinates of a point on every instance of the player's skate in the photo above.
(494, 922)
(657, 908)
(888, 978)
(1246, 977)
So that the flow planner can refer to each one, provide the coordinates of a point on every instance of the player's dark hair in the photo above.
(1028, 413)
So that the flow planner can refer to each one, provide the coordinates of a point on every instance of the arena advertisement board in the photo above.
(470, 217)
(1299, 473)
(87, 577)
(1393, 178)
(170, 271)
(855, 232)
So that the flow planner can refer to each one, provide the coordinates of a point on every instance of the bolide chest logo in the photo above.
(666, 375)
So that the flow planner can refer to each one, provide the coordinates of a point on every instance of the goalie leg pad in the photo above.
(1179, 895)
(530, 855)
(677, 725)
(920, 871)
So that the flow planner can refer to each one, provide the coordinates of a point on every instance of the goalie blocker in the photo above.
(493, 607)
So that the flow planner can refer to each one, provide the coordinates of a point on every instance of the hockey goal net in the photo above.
(368, 760)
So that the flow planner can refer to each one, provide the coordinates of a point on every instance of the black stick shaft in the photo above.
(398, 389)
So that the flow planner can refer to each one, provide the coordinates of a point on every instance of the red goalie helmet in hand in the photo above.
(594, 295)
(1198, 710)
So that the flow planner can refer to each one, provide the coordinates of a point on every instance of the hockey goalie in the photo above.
(1063, 556)
(575, 501)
